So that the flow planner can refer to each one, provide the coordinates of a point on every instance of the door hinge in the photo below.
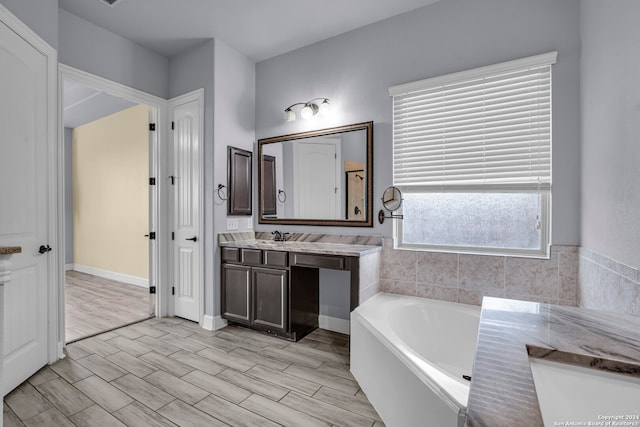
(173, 235)
(152, 126)
(173, 290)
(152, 235)
(152, 181)
(152, 289)
(173, 125)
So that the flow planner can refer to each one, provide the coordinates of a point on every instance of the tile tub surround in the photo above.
(608, 285)
(468, 278)
(502, 388)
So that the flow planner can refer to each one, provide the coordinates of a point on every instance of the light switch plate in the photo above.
(232, 223)
(250, 223)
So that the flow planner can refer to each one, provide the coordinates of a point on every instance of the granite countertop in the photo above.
(9, 250)
(502, 391)
(305, 247)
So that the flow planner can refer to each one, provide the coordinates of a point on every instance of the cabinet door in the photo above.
(236, 291)
(270, 305)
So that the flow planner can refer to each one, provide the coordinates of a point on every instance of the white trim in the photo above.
(532, 61)
(334, 324)
(207, 322)
(112, 275)
(219, 323)
(213, 323)
(109, 86)
(68, 267)
(5, 276)
(196, 95)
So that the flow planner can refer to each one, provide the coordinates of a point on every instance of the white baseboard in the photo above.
(219, 323)
(68, 267)
(334, 324)
(124, 278)
(211, 323)
(207, 322)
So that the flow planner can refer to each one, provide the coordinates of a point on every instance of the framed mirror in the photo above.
(322, 177)
(239, 181)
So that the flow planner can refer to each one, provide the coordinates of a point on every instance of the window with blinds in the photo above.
(472, 151)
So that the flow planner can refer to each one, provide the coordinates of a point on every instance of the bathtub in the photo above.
(409, 355)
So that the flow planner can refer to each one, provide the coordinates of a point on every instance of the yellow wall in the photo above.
(111, 193)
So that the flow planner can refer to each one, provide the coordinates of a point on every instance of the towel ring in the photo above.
(284, 196)
(220, 187)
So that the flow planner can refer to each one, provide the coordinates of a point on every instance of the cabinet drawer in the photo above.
(276, 258)
(251, 256)
(318, 261)
(231, 254)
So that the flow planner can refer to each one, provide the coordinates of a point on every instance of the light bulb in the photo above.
(306, 112)
(325, 108)
(289, 115)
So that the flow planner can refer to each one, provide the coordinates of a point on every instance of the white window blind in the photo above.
(484, 127)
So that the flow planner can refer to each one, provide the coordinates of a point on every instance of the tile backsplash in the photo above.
(608, 285)
(467, 278)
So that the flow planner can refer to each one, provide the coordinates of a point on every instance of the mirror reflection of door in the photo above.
(355, 190)
(269, 206)
(316, 188)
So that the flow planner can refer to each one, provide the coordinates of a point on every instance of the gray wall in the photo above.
(39, 15)
(234, 125)
(356, 69)
(610, 120)
(228, 79)
(189, 71)
(68, 196)
(610, 127)
(93, 49)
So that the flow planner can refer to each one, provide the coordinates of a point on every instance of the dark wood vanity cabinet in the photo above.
(236, 291)
(253, 293)
(270, 299)
(273, 291)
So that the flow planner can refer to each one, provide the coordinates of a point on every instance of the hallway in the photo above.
(95, 304)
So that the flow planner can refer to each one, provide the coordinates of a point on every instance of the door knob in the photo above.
(193, 239)
(44, 249)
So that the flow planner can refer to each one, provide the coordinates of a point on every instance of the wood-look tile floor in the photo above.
(95, 304)
(166, 372)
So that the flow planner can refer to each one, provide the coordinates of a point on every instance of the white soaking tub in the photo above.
(409, 356)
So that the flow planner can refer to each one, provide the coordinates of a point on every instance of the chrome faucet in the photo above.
(279, 236)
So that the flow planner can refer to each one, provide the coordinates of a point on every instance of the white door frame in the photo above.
(158, 249)
(196, 95)
(51, 55)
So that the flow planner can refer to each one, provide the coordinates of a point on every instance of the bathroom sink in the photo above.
(569, 393)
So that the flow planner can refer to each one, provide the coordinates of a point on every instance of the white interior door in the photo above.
(187, 208)
(316, 184)
(24, 204)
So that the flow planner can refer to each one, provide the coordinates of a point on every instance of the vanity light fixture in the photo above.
(309, 109)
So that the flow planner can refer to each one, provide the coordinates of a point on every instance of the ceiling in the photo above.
(83, 104)
(259, 29)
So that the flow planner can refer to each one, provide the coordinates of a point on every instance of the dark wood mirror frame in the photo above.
(239, 166)
(269, 182)
(368, 219)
